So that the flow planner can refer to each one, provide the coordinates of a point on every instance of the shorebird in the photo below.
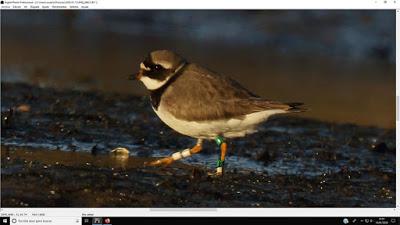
(202, 104)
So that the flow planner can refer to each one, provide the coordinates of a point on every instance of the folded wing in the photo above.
(209, 96)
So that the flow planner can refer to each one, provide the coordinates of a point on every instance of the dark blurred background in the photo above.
(340, 63)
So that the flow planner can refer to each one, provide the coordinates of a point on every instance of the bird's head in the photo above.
(158, 67)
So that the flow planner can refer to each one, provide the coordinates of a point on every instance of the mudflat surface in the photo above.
(56, 152)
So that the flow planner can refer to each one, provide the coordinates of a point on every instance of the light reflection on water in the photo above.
(306, 164)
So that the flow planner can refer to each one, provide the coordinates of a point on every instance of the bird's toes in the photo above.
(161, 162)
(215, 174)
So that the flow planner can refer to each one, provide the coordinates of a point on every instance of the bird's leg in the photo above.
(220, 162)
(178, 155)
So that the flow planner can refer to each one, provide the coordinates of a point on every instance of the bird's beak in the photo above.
(136, 76)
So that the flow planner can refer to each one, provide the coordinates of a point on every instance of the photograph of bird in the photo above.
(203, 104)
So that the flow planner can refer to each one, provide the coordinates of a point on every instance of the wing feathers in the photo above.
(199, 94)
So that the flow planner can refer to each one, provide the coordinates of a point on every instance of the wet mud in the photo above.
(56, 151)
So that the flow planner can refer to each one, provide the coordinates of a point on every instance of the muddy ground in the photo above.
(56, 152)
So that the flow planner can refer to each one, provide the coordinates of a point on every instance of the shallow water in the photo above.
(65, 138)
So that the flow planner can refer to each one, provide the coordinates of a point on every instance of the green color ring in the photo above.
(220, 163)
(219, 140)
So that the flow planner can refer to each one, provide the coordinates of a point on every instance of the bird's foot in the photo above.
(217, 173)
(161, 162)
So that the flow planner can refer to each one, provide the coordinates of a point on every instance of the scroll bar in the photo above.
(183, 209)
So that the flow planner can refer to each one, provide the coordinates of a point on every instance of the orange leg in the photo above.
(178, 155)
(221, 161)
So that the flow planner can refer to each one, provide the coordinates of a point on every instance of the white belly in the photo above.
(210, 129)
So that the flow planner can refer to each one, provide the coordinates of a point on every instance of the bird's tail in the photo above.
(296, 107)
(262, 105)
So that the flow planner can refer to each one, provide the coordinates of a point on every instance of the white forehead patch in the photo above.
(143, 67)
(152, 84)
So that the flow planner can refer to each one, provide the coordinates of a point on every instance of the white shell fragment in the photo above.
(120, 151)
(121, 156)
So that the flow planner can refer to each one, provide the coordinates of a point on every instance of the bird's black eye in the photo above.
(157, 67)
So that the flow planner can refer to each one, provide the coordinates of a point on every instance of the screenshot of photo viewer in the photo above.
(154, 112)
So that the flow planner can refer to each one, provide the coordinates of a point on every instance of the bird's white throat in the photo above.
(152, 84)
